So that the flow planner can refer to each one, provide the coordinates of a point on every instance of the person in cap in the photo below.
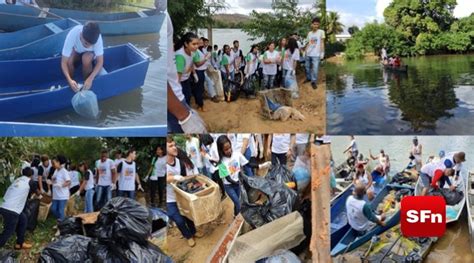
(12, 210)
(360, 216)
(83, 45)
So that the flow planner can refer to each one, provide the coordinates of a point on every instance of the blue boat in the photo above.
(36, 86)
(351, 240)
(36, 42)
(339, 224)
(19, 129)
(17, 17)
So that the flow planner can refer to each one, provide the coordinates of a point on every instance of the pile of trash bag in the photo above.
(122, 230)
(451, 197)
(280, 174)
(264, 200)
(190, 185)
(85, 104)
(70, 226)
(31, 211)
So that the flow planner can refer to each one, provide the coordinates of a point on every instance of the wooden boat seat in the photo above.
(142, 14)
(55, 29)
(44, 12)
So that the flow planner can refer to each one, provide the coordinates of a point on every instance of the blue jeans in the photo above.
(129, 194)
(173, 123)
(186, 226)
(233, 191)
(312, 72)
(211, 91)
(13, 222)
(247, 169)
(104, 194)
(268, 81)
(89, 201)
(57, 208)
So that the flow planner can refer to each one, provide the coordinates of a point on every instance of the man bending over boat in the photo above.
(359, 214)
(434, 172)
(83, 46)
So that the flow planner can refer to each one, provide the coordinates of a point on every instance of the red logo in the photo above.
(423, 216)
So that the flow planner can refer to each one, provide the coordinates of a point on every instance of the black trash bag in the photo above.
(7, 256)
(31, 211)
(132, 252)
(400, 178)
(123, 220)
(69, 249)
(274, 200)
(451, 197)
(280, 174)
(71, 226)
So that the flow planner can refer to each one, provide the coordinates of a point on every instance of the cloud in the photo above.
(380, 6)
(464, 8)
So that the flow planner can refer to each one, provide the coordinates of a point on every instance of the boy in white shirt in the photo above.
(83, 44)
(106, 178)
(314, 52)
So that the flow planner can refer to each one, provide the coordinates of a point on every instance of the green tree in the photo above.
(353, 29)
(334, 26)
(186, 14)
(412, 18)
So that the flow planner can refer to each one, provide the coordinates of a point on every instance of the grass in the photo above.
(39, 238)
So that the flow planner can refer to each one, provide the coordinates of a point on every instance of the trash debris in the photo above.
(264, 200)
(284, 113)
(280, 174)
(85, 104)
(131, 252)
(273, 99)
(451, 197)
(70, 226)
(72, 249)
(7, 256)
(123, 220)
(281, 256)
(32, 211)
(191, 186)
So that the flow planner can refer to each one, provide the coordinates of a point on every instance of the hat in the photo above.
(448, 163)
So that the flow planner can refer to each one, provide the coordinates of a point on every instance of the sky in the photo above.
(352, 12)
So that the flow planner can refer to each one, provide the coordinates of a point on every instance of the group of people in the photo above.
(222, 158)
(392, 61)
(191, 56)
(433, 175)
(62, 180)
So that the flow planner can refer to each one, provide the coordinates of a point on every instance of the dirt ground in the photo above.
(178, 247)
(244, 115)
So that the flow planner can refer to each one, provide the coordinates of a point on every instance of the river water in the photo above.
(454, 246)
(142, 106)
(435, 97)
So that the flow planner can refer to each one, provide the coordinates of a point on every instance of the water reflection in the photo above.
(363, 98)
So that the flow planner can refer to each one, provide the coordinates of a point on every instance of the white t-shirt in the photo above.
(227, 60)
(236, 56)
(314, 40)
(184, 64)
(172, 170)
(104, 171)
(90, 181)
(353, 146)
(271, 69)
(290, 59)
(233, 165)
(73, 42)
(128, 173)
(213, 154)
(302, 138)
(172, 72)
(239, 140)
(192, 171)
(159, 170)
(199, 56)
(46, 170)
(60, 177)
(118, 161)
(16, 195)
(252, 62)
(281, 143)
(192, 149)
(34, 177)
(74, 175)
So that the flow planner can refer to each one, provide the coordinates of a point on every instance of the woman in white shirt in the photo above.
(290, 58)
(280, 147)
(184, 62)
(75, 180)
(60, 182)
(230, 165)
(271, 58)
(88, 185)
(157, 176)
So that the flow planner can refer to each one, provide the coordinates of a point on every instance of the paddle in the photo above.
(42, 10)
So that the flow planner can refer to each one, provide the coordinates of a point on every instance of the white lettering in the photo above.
(425, 216)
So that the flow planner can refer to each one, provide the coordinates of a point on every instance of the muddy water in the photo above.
(454, 246)
(142, 106)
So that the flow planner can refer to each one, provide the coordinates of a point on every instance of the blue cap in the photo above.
(448, 163)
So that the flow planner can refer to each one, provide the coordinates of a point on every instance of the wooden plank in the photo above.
(320, 205)
(221, 250)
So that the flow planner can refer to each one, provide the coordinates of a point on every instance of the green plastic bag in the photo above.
(223, 172)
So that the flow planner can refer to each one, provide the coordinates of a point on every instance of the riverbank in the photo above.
(244, 115)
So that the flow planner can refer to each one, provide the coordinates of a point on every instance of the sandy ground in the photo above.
(244, 115)
(178, 247)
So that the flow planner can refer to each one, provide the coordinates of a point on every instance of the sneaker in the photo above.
(23, 246)
(313, 84)
(306, 81)
(191, 242)
(198, 234)
(215, 99)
